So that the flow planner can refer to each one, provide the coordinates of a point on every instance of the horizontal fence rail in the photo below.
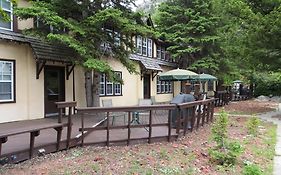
(178, 117)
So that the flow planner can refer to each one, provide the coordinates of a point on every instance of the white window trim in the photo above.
(139, 45)
(165, 87)
(102, 83)
(114, 86)
(10, 81)
(10, 11)
(149, 47)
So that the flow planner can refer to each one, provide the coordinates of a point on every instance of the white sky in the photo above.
(138, 2)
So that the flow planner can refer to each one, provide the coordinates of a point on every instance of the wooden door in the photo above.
(146, 86)
(54, 81)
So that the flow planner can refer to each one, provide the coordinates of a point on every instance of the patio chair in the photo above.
(108, 103)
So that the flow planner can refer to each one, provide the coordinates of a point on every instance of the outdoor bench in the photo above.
(34, 132)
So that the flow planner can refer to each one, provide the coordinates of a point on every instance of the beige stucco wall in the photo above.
(29, 91)
(131, 89)
(24, 24)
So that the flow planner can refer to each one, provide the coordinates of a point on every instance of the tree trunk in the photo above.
(88, 87)
(95, 90)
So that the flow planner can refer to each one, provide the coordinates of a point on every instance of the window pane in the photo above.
(102, 90)
(5, 90)
(139, 44)
(117, 89)
(6, 24)
(158, 52)
(109, 89)
(6, 5)
(144, 46)
(149, 46)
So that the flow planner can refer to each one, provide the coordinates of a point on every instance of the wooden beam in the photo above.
(69, 69)
(39, 67)
(32, 140)
(153, 76)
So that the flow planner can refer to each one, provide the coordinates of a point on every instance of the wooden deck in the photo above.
(94, 126)
(17, 146)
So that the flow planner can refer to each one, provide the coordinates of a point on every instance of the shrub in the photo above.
(267, 83)
(225, 152)
(252, 125)
(219, 129)
(252, 169)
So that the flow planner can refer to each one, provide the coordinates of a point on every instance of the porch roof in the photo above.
(151, 63)
(42, 51)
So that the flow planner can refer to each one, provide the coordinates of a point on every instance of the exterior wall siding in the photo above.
(29, 91)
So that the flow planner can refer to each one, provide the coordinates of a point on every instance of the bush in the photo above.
(252, 125)
(252, 169)
(219, 129)
(225, 152)
(267, 84)
(226, 155)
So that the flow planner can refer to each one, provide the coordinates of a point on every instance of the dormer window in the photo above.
(6, 5)
(161, 52)
(144, 46)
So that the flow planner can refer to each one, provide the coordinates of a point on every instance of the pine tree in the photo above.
(83, 25)
(188, 25)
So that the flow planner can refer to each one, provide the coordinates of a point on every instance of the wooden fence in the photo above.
(181, 117)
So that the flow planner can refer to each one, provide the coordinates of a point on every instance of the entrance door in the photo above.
(146, 86)
(54, 89)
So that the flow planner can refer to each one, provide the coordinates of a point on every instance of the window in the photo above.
(164, 87)
(108, 88)
(7, 81)
(210, 85)
(6, 5)
(139, 44)
(149, 47)
(161, 52)
(111, 36)
(144, 46)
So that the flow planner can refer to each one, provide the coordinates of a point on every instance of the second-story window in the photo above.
(161, 52)
(6, 5)
(149, 47)
(144, 46)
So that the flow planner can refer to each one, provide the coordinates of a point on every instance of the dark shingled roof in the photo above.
(42, 50)
(151, 63)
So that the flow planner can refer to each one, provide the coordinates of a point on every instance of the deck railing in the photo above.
(180, 117)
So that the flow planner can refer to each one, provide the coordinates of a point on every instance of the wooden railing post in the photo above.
(150, 126)
(59, 132)
(129, 128)
(107, 129)
(82, 129)
(193, 117)
(198, 117)
(178, 120)
(204, 114)
(185, 123)
(169, 125)
(32, 140)
(2, 140)
(69, 127)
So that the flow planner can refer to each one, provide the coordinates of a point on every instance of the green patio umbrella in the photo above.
(206, 77)
(178, 75)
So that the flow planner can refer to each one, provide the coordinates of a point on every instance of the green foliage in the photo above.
(219, 129)
(252, 169)
(225, 152)
(267, 84)
(252, 125)
(189, 28)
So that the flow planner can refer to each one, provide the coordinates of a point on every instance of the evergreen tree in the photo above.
(189, 27)
(83, 25)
